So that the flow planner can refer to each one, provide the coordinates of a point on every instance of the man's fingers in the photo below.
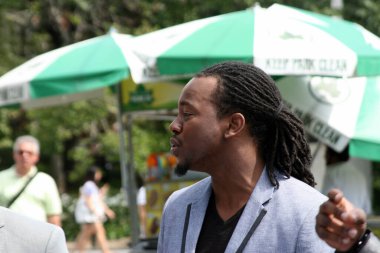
(335, 195)
(329, 208)
(330, 224)
(334, 240)
(357, 217)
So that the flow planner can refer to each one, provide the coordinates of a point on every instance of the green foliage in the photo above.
(376, 231)
(80, 154)
(54, 125)
(85, 132)
(364, 12)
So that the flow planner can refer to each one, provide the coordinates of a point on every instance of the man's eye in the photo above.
(187, 114)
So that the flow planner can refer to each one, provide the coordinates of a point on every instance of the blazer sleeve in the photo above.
(57, 241)
(372, 246)
(161, 242)
(308, 240)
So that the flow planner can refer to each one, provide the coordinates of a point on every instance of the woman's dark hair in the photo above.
(139, 180)
(247, 89)
(90, 173)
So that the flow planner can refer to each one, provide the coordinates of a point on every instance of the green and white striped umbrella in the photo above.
(280, 40)
(81, 67)
(338, 111)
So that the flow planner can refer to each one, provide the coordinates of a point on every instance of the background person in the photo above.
(21, 234)
(91, 211)
(343, 226)
(232, 124)
(32, 193)
(141, 204)
(341, 173)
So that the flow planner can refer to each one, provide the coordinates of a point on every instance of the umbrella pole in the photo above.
(127, 172)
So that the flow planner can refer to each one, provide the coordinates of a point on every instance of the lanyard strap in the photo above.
(11, 201)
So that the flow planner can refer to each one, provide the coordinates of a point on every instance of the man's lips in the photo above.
(174, 144)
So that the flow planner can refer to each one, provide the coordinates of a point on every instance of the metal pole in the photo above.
(133, 211)
(127, 173)
(315, 153)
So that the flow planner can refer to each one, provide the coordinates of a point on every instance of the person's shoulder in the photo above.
(89, 185)
(10, 219)
(7, 171)
(190, 193)
(45, 178)
(23, 231)
(44, 175)
(300, 192)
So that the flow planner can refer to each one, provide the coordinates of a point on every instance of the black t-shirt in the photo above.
(216, 233)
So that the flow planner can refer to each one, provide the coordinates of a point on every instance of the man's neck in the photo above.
(233, 190)
(22, 171)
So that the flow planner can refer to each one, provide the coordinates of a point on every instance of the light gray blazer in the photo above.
(372, 246)
(20, 234)
(273, 221)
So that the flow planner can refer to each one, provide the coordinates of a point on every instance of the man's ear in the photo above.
(236, 124)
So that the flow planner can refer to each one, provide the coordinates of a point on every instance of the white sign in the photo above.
(320, 130)
(12, 94)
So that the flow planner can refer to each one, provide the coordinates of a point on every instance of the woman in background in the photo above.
(91, 211)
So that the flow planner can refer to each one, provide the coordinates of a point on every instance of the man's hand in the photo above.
(339, 223)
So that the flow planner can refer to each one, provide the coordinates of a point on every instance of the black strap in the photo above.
(185, 228)
(11, 201)
(263, 212)
(359, 244)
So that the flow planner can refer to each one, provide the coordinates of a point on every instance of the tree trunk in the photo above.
(58, 171)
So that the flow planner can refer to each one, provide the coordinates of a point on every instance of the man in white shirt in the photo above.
(341, 173)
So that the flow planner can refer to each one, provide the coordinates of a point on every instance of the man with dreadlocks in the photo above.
(232, 124)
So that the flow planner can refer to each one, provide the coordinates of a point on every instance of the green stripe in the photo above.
(60, 86)
(366, 142)
(229, 38)
(365, 150)
(87, 66)
(350, 35)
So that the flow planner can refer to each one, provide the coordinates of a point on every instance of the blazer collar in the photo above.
(252, 213)
(197, 214)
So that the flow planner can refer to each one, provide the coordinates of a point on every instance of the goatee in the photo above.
(181, 169)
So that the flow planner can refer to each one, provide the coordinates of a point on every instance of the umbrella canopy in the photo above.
(74, 72)
(338, 111)
(280, 40)
(83, 66)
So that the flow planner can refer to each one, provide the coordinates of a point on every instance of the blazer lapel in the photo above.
(196, 217)
(252, 215)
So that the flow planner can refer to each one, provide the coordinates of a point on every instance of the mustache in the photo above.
(174, 141)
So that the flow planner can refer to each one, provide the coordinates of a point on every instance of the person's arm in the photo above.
(53, 204)
(340, 224)
(54, 219)
(108, 211)
(88, 199)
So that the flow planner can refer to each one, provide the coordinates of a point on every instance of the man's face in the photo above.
(25, 157)
(197, 132)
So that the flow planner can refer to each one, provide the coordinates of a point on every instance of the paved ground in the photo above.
(117, 246)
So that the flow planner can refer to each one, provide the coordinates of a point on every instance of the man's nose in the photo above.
(175, 127)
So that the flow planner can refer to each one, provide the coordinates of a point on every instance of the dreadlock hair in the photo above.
(279, 134)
